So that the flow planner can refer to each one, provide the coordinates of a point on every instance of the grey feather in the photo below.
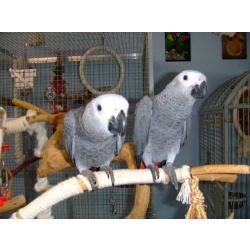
(162, 124)
(185, 131)
(88, 138)
(143, 114)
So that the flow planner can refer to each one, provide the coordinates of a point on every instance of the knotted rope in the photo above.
(197, 208)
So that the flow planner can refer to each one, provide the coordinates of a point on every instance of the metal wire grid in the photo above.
(211, 143)
(218, 97)
(219, 143)
(26, 178)
(131, 47)
(105, 203)
(238, 204)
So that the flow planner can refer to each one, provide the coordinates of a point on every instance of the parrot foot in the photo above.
(109, 171)
(154, 171)
(170, 170)
(90, 176)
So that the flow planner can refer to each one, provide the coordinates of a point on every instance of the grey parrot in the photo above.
(94, 135)
(162, 123)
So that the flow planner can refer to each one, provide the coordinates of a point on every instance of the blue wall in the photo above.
(206, 56)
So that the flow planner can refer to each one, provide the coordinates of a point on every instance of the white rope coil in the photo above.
(47, 214)
(42, 184)
(60, 192)
(17, 125)
(72, 187)
(85, 181)
(183, 173)
(41, 133)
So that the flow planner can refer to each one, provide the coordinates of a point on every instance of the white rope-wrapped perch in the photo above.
(18, 125)
(77, 185)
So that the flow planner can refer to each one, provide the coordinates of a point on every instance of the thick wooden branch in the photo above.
(54, 160)
(27, 105)
(221, 169)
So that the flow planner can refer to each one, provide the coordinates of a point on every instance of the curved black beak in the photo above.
(199, 91)
(118, 125)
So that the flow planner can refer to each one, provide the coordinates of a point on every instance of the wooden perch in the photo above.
(76, 185)
(221, 169)
(54, 160)
(27, 105)
(13, 203)
(216, 120)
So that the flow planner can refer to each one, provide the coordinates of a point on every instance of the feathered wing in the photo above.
(143, 114)
(69, 133)
(185, 131)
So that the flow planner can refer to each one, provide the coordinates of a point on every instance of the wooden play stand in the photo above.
(54, 160)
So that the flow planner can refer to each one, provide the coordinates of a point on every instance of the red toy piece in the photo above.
(5, 147)
(3, 199)
(59, 85)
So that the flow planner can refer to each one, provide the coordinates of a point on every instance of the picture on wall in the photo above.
(177, 46)
(234, 47)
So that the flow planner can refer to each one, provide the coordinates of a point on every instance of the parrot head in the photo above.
(107, 114)
(192, 82)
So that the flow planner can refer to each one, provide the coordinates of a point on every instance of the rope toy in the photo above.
(197, 208)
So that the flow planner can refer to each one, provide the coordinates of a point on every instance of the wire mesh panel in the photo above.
(224, 139)
(59, 71)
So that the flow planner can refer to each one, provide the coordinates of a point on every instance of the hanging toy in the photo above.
(197, 207)
(59, 86)
(7, 202)
(5, 186)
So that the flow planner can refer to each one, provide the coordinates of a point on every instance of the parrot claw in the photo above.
(109, 171)
(90, 176)
(154, 171)
(170, 170)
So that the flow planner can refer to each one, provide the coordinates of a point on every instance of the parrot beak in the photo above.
(199, 91)
(118, 125)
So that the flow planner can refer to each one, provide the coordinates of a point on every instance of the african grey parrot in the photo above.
(162, 123)
(94, 135)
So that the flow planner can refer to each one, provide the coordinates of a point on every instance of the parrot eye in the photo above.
(99, 107)
(185, 77)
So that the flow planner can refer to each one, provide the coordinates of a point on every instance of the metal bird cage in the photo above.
(224, 138)
(64, 71)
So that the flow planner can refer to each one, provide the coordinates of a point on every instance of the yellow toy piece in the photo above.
(197, 207)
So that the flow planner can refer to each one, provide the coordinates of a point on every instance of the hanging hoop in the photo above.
(238, 118)
(119, 61)
(241, 121)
